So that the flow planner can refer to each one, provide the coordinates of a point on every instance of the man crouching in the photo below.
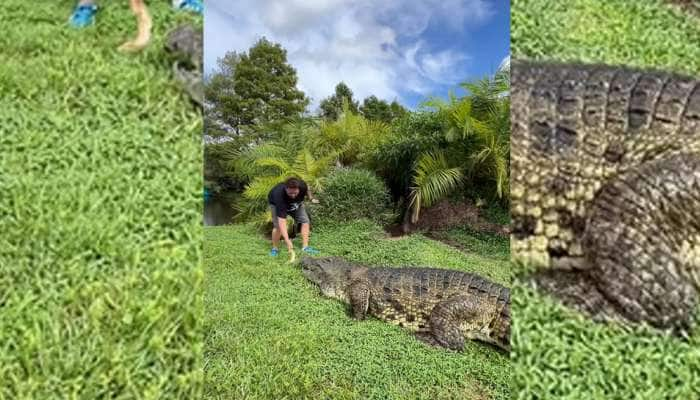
(287, 198)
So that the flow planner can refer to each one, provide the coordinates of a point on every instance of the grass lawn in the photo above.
(269, 334)
(557, 353)
(100, 174)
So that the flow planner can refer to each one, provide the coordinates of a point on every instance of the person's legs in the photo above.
(301, 217)
(305, 235)
(276, 234)
(195, 6)
(83, 14)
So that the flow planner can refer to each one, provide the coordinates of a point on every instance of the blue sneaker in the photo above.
(194, 6)
(310, 250)
(83, 16)
(274, 252)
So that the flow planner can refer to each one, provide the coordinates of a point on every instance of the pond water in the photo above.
(218, 210)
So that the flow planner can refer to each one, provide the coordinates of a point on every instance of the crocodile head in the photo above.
(331, 274)
(184, 44)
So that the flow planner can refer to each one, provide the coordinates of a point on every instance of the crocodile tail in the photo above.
(138, 7)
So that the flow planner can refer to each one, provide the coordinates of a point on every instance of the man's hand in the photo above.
(290, 250)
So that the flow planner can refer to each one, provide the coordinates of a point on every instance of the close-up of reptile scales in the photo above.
(606, 188)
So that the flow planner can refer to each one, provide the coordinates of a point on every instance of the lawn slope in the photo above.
(271, 335)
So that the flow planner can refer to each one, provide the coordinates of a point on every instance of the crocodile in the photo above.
(184, 44)
(441, 307)
(605, 189)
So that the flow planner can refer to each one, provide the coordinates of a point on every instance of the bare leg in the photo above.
(305, 234)
(276, 238)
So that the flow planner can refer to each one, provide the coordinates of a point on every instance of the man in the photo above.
(84, 13)
(287, 199)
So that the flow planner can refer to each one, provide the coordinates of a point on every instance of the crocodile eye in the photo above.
(524, 226)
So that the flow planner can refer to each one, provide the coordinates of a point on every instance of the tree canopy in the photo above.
(254, 88)
(331, 107)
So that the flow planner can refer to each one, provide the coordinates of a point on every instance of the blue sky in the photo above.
(406, 50)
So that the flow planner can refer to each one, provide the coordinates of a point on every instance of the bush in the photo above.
(351, 194)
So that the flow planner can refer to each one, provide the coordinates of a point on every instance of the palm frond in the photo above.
(274, 162)
(261, 186)
(433, 180)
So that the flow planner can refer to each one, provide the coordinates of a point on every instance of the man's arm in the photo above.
(282, 223)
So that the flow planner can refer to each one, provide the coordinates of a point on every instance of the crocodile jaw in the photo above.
(331, 279)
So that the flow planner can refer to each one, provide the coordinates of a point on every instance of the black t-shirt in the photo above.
(283, 203)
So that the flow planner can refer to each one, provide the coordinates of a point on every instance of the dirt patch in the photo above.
(394, 231)
(446, 215)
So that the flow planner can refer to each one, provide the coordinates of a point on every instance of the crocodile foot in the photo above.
(428, 338)
(191, 82)
(575, 290)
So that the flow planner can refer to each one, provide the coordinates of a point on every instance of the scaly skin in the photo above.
(605, 189)
(184, 44)
(442, 307)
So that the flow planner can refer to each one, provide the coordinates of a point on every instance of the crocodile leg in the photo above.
(642, 248)
(428, 338)
(457, 318)
(359, 299)
(643, 241)
(191, 81)
(575, 289)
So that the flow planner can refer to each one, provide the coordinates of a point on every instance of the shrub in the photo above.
(351, 194)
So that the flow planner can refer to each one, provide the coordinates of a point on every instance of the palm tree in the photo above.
(351, 136)
(270, 164)
(478, 125)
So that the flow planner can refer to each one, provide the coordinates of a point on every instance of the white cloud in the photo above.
(374, 46)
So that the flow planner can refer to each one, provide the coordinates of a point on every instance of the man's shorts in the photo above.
(299, 215)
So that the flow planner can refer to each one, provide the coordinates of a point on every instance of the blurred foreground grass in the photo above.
(269, 334)
(100, 210)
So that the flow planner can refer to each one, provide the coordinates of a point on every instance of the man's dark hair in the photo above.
(292, 183)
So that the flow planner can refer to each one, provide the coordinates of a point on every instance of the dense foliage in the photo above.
(331, 107)
(271, 335)
(351, 194)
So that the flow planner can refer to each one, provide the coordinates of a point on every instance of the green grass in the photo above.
(269, 334)
(490, 245)
(557, 353)
(100, 174)
(644, 33)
